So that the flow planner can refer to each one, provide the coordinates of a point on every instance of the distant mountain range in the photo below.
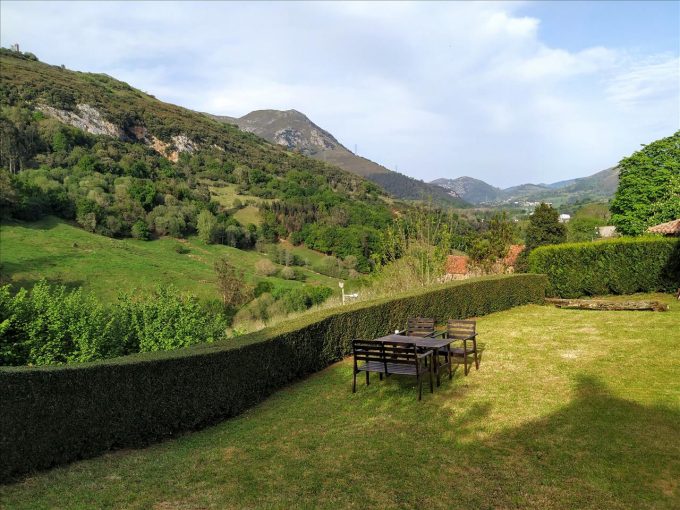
(599, 186)
(295, 131)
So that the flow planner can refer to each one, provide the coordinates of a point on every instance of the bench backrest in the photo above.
(368, 350)
(419, 326)
(401, 352)
(460, 329)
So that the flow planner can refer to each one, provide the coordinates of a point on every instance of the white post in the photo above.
(342, 289)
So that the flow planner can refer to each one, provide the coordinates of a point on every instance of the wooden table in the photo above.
(429, 344)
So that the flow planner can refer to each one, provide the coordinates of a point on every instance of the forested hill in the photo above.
(294, 130)
(121, 163)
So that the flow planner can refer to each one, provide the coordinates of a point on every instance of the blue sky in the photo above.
(507, 92)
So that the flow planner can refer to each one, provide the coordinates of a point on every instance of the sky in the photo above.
(508, 92)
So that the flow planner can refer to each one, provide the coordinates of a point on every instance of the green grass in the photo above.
(570, 409)
(249, 214)
(225, 194)
(62, 253)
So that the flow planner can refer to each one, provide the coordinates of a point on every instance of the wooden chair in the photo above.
(465, 332)
(418, 326)
(390, 358)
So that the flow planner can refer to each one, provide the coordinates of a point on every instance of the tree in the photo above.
(649, 187)
(207, 226)
(544, 228)
(231, 284)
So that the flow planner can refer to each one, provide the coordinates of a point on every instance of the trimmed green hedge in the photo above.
(53, 415)
(617, 266)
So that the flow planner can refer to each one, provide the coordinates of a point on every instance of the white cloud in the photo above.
(441, 89)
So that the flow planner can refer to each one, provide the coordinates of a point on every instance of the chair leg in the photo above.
(368, 379)
(431, 382)
(465, 363)
(380, 375)
(420, 388)
(354, 382)
(476, 361)
(448, 359)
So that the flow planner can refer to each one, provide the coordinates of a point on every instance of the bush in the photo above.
(181, 249)
(265, 267)
(52, 325)
(619, 266)
(288, 273)
(53, 415)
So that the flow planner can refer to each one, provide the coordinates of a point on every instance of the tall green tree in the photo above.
(544, 228)
(206, 225)
(649, 187)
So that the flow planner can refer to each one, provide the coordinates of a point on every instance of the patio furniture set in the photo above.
(419, 350)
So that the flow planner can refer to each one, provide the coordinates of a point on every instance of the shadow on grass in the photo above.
(600, 451)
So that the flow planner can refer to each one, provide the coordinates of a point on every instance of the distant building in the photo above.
(15, 47)
(670, 228)
(457, 266)
(564, 218)
(608, 231)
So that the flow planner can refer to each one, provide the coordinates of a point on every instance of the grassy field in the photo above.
(249, 214)
(62, 253)
(570, 409)
(225, 194)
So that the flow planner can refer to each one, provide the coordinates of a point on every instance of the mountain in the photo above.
(470, 189)
(599, 186)
(295, 131)
(92, 149)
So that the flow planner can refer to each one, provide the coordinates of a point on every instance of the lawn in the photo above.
(62, 253)
(570, 409)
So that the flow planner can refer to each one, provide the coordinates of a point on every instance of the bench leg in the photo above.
(368, 379)
(380, 375)
(431, 382)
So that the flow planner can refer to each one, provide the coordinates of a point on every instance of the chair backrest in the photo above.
(404, 353)
(460, 329)
(419, 326)
(368, 350)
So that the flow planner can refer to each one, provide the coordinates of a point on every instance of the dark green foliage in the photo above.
(52, 325)
(544, 228)
(302, 298)
(59, 414)
(649, 187)
(619, 266)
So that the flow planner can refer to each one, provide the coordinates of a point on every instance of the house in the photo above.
(670, 228)
(564, 218)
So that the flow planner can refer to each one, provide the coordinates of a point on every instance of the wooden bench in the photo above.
(391, 358)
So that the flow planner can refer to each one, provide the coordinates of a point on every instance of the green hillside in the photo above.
(89, 148)
(62, 253)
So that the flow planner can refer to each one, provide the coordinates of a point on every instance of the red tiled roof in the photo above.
(457, 264)
(513, 253)
(669, 228)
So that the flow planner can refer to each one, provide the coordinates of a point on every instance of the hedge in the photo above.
(617, 266)
(53, 415)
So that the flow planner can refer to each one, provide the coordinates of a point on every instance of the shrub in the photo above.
(52, 325)
(288, 273)
(53, 415)
(619, 266)
(265, 267)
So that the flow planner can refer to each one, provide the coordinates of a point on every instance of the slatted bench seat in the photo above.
(391, 358)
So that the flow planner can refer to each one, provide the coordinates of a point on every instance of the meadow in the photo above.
(569, 409)
(62, 253)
